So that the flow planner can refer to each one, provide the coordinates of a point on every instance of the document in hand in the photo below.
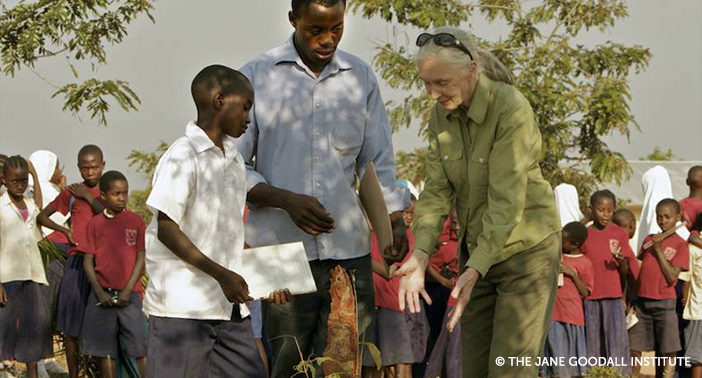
(374, 205)
(277, 267)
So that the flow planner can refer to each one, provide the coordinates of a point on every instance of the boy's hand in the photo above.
(69, 236)
(3, 296)
(400, 246)
(447, 283)
(280, 297)
(309, 215)
(124, 299)
(79, 190)
(104, 298)
(393, 269)
(235, 288)
(568, 271)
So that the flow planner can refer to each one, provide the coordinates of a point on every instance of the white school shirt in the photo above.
(693, 307)
(20, 259)
(203, 191)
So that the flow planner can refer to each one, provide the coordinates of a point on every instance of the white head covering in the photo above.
(656, 186)
(567, 204)
(45, 164)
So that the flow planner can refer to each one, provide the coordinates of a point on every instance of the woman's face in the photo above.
(449, 86)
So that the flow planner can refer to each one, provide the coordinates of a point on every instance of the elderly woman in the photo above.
(484, 151)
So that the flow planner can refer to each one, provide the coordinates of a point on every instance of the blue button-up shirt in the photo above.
(315, 136)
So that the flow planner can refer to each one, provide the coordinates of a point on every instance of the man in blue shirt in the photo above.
(318, 121)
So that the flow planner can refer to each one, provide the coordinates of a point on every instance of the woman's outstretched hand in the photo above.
(412, 282)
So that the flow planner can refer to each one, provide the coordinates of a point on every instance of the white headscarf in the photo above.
(45, 164)
(657, 187)
(567, 204)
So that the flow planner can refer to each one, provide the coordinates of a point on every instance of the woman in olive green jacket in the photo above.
(484, 152)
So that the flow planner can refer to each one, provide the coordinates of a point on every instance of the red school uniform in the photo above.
(569, 303)
(81, 214)
(690, 207)
(652, 283)
(387, 291)
(115, 241)
(599, 248)
(446, 254)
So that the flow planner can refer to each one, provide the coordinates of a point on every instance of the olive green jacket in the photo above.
(487, 158)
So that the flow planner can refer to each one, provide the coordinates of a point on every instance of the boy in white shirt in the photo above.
(195, 241)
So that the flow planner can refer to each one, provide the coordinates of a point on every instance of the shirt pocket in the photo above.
(478, 167)
(347, 134)
(451, 155)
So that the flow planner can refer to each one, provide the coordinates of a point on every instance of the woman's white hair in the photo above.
(487, 62)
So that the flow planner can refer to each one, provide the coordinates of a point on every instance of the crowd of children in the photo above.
(611, 302)
(615, 304)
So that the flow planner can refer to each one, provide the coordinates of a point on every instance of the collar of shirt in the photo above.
(288, 54)
(201, 142)
(6, 201)
(478, 104)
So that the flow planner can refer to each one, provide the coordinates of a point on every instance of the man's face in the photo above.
(318, 31)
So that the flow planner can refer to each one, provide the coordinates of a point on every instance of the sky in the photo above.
(160, 60)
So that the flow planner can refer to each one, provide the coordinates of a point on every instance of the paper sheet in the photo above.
(374, 205)
(277, 267)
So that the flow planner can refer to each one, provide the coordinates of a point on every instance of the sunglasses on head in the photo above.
(444, 40)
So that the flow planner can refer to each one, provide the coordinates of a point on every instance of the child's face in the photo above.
(666, 217)
(236, 114)
(16, 181)
(603, 211)
(116, 197)
(566, 245)
(629, 226)
(408, 215)
(91, 167)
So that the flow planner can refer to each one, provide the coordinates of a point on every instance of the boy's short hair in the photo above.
(622, 215)
(602, 194)
(695, 174)
(298, 6)
(108, 178)
(14, 162)
(226, 80)
(669, 202)
(90, 149)
(577, 232)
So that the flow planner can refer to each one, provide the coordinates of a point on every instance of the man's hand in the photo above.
(124, 298)
(308, 214)
(398, 250)
(279, 297)
(104, 298)
(412, 282)
(3, 296)
(462, 291)
(80, 190)
(235, 288)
